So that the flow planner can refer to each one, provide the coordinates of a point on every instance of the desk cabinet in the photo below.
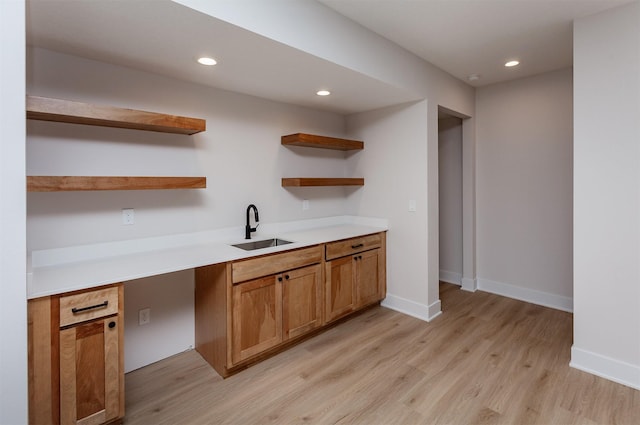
(76, 357)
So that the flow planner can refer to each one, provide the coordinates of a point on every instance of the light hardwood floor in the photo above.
(485, 360)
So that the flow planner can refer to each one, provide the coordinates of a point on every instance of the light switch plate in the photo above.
(412, 205)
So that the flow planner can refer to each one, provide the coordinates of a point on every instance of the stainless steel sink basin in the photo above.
(268, 243)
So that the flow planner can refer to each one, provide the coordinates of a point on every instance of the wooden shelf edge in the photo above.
(321, 142)
(87, 183)
(317, 181)
(58, 110)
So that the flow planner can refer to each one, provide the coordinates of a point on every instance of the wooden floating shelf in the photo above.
(315, 181)
(322, 142)
(47, 109)
(82, 183)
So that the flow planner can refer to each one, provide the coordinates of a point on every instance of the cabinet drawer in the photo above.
(351, 246)
(88, 305)
(276, 263)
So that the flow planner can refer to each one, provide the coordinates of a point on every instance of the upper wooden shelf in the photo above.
(82, 183)
(47, 109)
(317, 181)
(322, 142)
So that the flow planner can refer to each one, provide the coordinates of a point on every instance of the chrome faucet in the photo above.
(248, 229)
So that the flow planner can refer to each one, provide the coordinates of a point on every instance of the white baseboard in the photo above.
(468, 284)
(546, 299)
(451, 277)
(605, 367)
(412, 308)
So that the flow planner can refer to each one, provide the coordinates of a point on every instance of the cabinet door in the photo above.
(90, 372)
(366, 270)
(301, 300)
(340, 288)
(257, 317)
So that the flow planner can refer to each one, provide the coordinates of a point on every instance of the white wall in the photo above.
(13, 307)
(394, 167)
(607, 195)
(170, 299)
(524, 188)
(450, 198)
(303, 25)
(240, 153)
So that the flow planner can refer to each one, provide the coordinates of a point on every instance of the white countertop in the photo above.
(54, 271)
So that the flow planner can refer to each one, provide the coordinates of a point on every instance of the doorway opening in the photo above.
(456, 199)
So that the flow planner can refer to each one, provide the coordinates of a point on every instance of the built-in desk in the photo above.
(76, 299)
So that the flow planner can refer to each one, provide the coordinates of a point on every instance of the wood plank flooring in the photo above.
(485, 360)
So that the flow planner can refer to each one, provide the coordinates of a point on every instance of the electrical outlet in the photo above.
(412, 205)
(128, 216)
(144, 316)
(305, 204)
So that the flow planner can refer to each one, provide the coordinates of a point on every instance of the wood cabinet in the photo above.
(355, 274)
(275, 308)
(340, 288)
(247, 310)
(265, 301)
(301, 301)
(257, 317)
(65, 111)
(76, 357)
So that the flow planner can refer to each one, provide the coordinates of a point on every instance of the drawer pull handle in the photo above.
(360, 245)
(91, 307)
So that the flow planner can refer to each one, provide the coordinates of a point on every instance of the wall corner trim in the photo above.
(545, 299)
(412, 308)
(469, 284)
(606, 367)
(451, 277)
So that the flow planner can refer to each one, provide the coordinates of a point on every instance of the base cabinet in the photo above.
(301, 301)
(249, 309)
(340, 289)
(76, 373)
(356, 280)
(257, 317)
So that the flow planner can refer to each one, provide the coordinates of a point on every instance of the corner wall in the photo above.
(395, 171)
(525, 189)
(13, 305)
(607, 195)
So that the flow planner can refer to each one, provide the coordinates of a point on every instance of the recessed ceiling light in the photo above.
(474, 77)
(207, 61)
(323, 92)
(512, 63)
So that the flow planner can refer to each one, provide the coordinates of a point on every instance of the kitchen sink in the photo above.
(267, 243)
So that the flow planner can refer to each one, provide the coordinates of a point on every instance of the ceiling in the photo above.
(461, 37)
(465, 37)
(166, 38)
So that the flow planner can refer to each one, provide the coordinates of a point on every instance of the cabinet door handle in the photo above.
(360, 245)
(279, 278)
(75, 310)
(286, 276)
(112, 325)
